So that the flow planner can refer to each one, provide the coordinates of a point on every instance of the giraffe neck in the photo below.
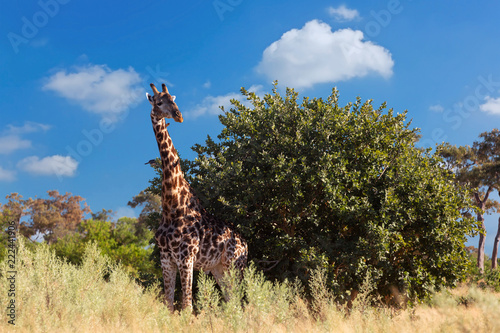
(173, 178)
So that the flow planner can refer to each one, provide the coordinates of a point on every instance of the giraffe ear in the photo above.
(150, 98)
(173, 98)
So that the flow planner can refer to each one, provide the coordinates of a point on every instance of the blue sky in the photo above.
(74, 74)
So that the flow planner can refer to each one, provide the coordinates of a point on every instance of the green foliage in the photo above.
(250, 300)
(233, 290)
(103, 215)
(489, 279)
(488, 153)
(120, 241)
(320, 293)
(313, 184)
(208, 296)
(150, 203)
(476, 167)
(150, 216)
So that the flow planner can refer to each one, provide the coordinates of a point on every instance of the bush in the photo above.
(343, 188)
(122, 241)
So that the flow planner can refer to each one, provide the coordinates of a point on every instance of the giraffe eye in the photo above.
(159, 103)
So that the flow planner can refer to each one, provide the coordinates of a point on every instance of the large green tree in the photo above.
(315, 184)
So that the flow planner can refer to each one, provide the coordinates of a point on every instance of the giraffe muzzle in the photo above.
(178, 117)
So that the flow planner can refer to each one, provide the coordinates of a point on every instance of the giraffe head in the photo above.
(163, 104)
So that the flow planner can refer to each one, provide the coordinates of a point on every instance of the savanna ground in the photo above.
(99, 296)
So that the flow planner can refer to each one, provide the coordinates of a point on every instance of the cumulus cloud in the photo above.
(98, 89)
(210, 105)
(491, 106)
(11, 140)
(314, 54)
(56, 165)
(343, 14)
(11, 143)
(7, 175)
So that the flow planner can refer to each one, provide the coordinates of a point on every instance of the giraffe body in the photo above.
(189, 237)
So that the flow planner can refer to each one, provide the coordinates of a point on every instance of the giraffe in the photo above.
(189, 237)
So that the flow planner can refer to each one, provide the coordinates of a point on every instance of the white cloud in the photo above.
(343, 14)
(98, 89)
(56, 165)
(211, 104)
(492, 106)
(7, 175)
(12, 140)
(436, 108)
(28, 127)
(11, 143)
(314, 54)
(207, 84)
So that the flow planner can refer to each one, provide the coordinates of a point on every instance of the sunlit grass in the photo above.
(99, 296)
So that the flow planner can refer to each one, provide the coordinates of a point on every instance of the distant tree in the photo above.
(13, 211)
(56, 216)
(313, 184)
(11, 214)
(103, 215)
(476, 167)
(150, 203)
(488, 151)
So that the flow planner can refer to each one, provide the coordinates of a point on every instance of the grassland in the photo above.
(98, 296)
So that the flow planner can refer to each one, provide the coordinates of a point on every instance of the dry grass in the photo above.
(53, 296)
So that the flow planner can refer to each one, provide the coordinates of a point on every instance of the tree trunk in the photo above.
(482, 241)
(481, 204)
(494, 261)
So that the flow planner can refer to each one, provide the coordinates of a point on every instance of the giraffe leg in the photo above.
(169, 274)
(240, 261)
(218, 274)
(186, 272)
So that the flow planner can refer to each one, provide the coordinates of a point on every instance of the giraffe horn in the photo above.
(164, 87)
(154, 89)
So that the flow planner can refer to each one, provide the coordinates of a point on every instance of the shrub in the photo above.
(313, 184)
